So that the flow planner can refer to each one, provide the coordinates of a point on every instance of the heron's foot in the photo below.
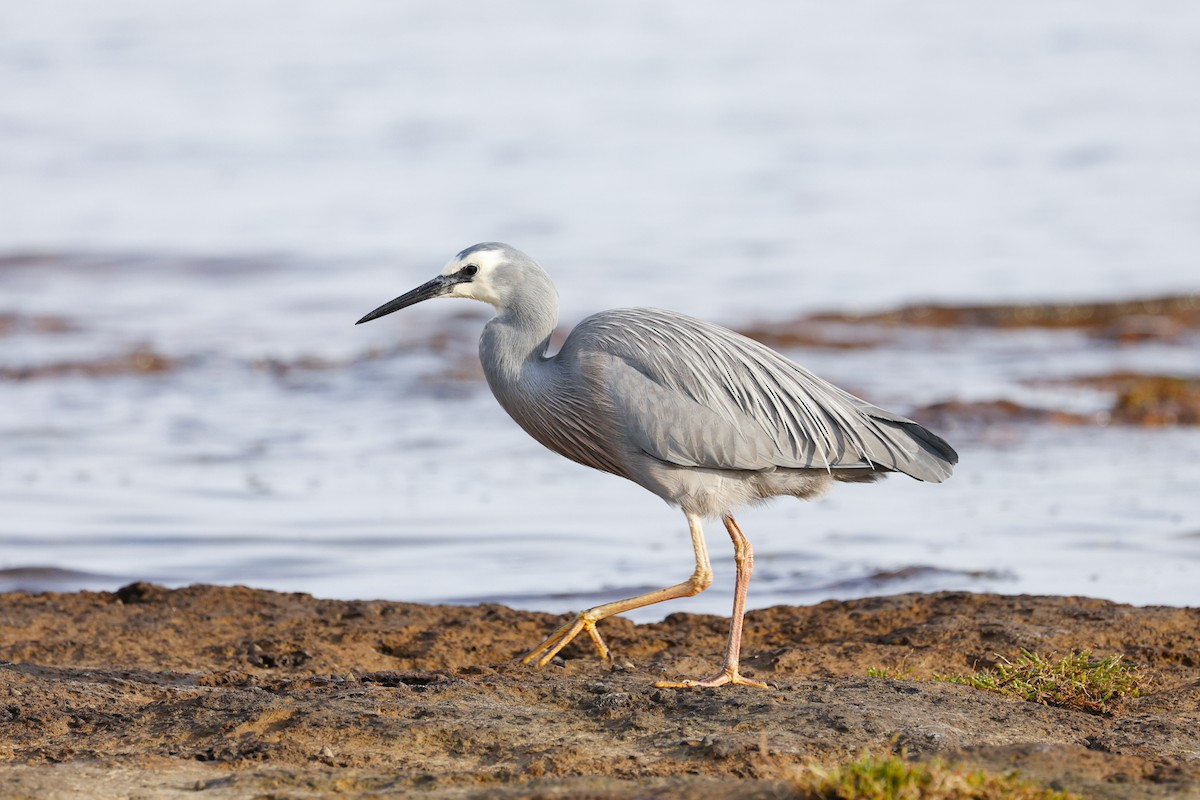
(729, 675)
(547, 650)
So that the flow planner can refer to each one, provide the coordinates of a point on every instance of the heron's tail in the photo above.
(937, 459)
(928, 457)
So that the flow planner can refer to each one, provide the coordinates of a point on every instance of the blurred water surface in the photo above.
(231, 186)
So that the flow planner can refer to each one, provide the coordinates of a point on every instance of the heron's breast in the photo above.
(565, 416)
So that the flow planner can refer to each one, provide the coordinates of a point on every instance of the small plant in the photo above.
(882, 672)
(892, 777)
(891, 674)
(1080, 681)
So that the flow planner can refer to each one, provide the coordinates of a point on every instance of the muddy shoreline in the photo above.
(229, 692)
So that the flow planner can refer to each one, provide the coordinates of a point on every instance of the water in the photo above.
(233, 187)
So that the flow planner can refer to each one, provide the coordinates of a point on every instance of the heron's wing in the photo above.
(694, 394)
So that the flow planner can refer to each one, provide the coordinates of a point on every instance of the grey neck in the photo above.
(517, 338)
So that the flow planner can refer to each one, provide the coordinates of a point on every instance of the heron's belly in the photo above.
(714, 492)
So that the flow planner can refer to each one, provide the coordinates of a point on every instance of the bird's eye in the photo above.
(469, 270)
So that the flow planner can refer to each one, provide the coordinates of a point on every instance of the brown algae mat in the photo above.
(234, 692)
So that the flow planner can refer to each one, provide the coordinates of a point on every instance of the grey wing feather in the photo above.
(694, 394)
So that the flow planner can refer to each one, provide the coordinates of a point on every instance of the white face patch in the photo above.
(481, 285)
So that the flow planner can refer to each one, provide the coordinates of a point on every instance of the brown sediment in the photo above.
(234, 692)
(283, 367)
(983, 413)
(1143, 398)
(1107, 318)
(461, 372)
(804, 333)
(139, 361)
(447, 339)
(1147, 399)
(12, 322)
(1166, 318)
(1139, 399)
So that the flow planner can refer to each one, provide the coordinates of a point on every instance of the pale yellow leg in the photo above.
(586, 620)
(743, 554)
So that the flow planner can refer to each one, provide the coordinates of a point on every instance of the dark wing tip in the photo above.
(940, 456)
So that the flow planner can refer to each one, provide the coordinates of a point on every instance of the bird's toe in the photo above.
(545, 652)
(728, 675)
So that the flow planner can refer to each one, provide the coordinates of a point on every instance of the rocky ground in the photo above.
(232, 692)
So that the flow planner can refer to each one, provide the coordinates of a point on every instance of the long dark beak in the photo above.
(437, 287)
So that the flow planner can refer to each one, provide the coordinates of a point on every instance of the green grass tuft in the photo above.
(871, 777)
(883, 672)
(1080, 681)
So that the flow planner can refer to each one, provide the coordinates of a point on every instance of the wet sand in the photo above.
(235, 692)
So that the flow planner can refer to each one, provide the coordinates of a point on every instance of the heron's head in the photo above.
(490, 272)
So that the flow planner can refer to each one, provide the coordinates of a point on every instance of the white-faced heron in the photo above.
(706, 419)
